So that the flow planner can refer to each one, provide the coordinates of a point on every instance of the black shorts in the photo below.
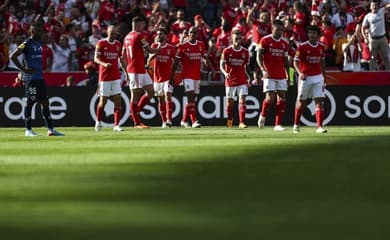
(35, 90)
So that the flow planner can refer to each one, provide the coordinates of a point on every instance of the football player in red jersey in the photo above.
(190, 54)
(162, 65)
(234, 66)
(139, 80)
(107, 54)
(309, 62)
(272, 57)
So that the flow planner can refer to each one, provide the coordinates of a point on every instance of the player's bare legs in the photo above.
(145, 99)
(134, 99)
(229, 110)
(162, 110)
(280, 108)
(190, 111)
(320, 115)
(99, 112)
(270, 98)
(300, 105)
(242, 111)
(117, 112)
(169, 108)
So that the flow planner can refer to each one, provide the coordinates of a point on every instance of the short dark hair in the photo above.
(314, 28)
(138, 19)
(277, 22)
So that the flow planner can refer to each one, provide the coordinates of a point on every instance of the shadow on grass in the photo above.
(319, 190)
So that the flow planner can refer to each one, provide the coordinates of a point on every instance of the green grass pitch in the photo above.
(210, 183)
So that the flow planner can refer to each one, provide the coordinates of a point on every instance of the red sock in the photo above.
(192, 112)
(242, 112)
(163, 112)
(319, 116)
(264, 108)
(99, 113)
(117, 115)
(142, 102)
(280, 106)
(185, 113)
(229, 110)
(169, 109)
(134, 113)
(298, 114)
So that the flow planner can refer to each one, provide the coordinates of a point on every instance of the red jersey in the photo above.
(260, 30)
(133, 46)
(109, 52)
(190, 55)
(106, 11)
(310, 57)
(235, 63)
(47, 53)
(275, 52)
(163, 62)
(223, 41)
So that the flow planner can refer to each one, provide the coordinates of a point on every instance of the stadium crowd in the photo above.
(73, 27)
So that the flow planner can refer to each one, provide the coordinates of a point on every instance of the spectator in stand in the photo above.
(214, 55)
(309, 62)
(61, 55)
(235, 68)
(33, 79)
(339, 39)
(202, 28)
(260, 27)
(52, 24)
(4, 53)
(47, 53)
(17, 40)
(224, 39)
(69, 82)
(326, 38)
(91, 70)
(107, 56)
(123, 9)
(106, 12)
(96, 33)
(18, 80)
(134, 46)
(342, 18)
(228, 12)
(190, 54)
(211, 12)
(378, 43)
(352, 51)
(18, 25)
(92, 7)
(272, 59)
(244, 29)
(366, 55)
(72, 41)
(179, 26)
(84, 53)
(162, 65)
(180, 4)
(300, 22)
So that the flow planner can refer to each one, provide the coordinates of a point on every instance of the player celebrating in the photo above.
(234, 66)
(107, 54)
(272, 58)
(133, 49)
(309, 62)
(190, 54)
(35, 88)
(162, 66)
